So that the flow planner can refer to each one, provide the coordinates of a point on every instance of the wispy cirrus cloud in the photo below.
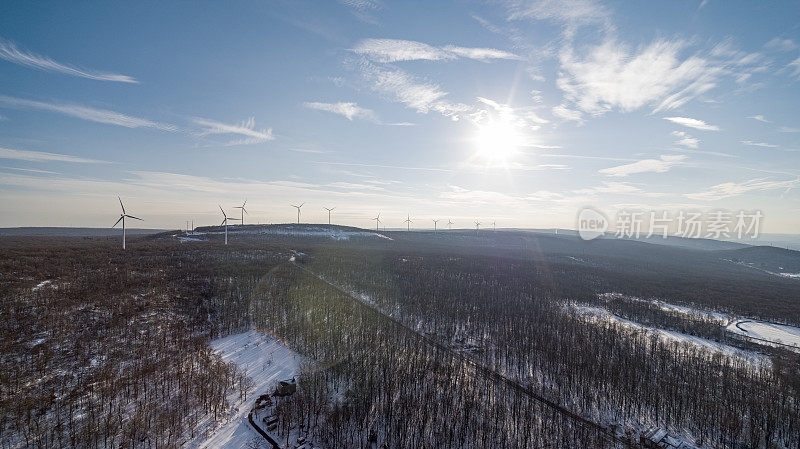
(751, 143)
(394, 50)
(570, 14)
(781, 44)
(350, 111)
(730, 189)
(363, 9)
(692, 123)
(684, 139)
(419, 95)
(664, 164)
(612, 76)
(41, 156)
(346, 109)
(86, 113)
(759, 118)
(11, 53)
(246, 129)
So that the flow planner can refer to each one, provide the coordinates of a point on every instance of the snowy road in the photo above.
(779, 334)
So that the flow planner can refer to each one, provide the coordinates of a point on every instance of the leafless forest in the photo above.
(415, 342)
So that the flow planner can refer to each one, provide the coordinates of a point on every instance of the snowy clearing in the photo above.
(771, 333)
(708, 315)
(42, 284)
(266, 361)
(600, 313)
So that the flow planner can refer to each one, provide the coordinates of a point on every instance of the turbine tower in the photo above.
(329, 213)
(298, 211)
(434, 224)
(449, 224)
(243, 209)
(122, 219)
(477, 226)
(494, 226)
(408, 222)
(225, 221)
(377, 222)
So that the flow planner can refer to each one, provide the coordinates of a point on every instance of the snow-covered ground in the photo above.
(266, 361)
(600, 313)
(708, 315)
(767, 332)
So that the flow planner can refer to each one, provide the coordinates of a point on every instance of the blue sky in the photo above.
(516, 111)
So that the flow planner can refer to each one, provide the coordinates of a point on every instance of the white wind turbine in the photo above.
(244, 211)
(122, 219)
(377, 222)
(477, 226)
(298, 211)
(494, 226)
(449, 224)
(225, 221)
(329, 213)
(408, 222)
(434, 224)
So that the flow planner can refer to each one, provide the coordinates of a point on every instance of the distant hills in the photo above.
(73, 232)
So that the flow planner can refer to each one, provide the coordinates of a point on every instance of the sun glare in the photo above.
(497, 141)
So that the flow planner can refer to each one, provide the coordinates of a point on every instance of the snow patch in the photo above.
(265, 360)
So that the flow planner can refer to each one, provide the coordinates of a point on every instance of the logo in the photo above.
(591, 223)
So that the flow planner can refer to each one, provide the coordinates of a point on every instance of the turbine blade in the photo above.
(135, 218)
(120, 204)
(223, 221)
(223, 212)
(120, 219)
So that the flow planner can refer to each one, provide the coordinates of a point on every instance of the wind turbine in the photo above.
(298, 211)
(243, 209)
(477, 226)
(225, 221)
(377, 222)
(449, 224)
(494, 226)
(329, 213)
(434, 224)
(122, 219)
(408, 222)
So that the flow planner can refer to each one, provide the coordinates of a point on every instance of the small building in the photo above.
(285, 387)
(658, 438)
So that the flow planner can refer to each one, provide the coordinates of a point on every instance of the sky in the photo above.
(510, 111)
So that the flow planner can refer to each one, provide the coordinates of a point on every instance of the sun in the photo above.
(497, 141)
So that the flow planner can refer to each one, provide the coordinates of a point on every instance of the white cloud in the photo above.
(41, 156)
(404, 88)
(684, 139)
(571, 14)
(246, 128)
(781, 44)
(758, 144)
(795, 67)
(787, 129)
(692, 123)
(610, 187)
(760, 118)
(612, 76)
(480, 54)
(348, 110)
(730, 189)
(363, 9)
(86, 113)
(393, 50)
(10, 52)
(645, 165)
(564, 113)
